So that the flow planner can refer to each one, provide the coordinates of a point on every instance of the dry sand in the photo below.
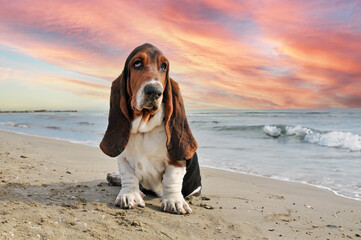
(53, 189)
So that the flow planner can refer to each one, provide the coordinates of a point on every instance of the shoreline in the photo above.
(57, 190)
(222, 169)
(284, 180)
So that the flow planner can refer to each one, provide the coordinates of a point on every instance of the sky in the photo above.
(257, 54)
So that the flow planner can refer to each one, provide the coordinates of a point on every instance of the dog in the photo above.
(149, 133)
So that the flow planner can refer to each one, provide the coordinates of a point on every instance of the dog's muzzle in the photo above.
(150, 96)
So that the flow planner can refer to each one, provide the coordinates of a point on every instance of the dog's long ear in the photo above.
(181, 144)
(117, 135)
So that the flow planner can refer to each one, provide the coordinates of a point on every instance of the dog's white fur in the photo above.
(145, 161)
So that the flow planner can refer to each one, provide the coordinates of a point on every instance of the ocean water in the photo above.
(320, 147)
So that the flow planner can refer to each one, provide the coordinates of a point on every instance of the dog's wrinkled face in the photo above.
(147, 73)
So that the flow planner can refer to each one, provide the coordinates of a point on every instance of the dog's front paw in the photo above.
(175, 204)
(130, 199)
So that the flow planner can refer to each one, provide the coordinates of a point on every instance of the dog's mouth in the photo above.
(152, 108)
(152, 105)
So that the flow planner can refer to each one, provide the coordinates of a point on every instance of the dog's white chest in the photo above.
(146, 153)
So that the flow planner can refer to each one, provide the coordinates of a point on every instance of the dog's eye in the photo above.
(137, 64)
(163, 67)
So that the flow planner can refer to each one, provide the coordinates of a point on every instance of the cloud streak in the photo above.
(259, 54)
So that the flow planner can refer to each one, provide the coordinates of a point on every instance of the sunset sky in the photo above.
(224, 54)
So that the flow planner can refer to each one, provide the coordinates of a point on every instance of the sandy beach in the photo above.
(52, 189)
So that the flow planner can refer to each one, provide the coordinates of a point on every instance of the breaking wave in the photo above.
(11, 124)
(337, 139)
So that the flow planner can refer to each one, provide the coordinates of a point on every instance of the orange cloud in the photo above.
(258, 54)
(76, 86)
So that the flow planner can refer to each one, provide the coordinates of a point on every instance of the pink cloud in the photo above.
(259, 54)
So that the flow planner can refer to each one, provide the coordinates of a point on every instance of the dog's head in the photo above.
(140, 90)
(146, 71)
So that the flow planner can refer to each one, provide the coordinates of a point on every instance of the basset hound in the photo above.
(149, 132)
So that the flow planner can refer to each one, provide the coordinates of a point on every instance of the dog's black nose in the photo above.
(153, 92)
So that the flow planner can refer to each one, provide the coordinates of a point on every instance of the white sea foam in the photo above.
(272, 131)
(336, 139)
(7, 124)
(298, 130)
(11, 124)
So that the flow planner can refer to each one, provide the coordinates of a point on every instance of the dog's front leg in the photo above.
(130, 195)
(172, 199)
